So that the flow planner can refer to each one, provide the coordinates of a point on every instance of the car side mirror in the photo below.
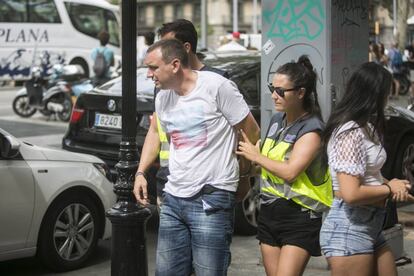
(9, 146)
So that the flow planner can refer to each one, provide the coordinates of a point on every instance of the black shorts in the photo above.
(283, 222)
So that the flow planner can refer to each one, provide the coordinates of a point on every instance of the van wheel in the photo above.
(69, 232)
(83, 64)
(247, 210)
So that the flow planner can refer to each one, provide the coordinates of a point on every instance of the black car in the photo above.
(95, 125)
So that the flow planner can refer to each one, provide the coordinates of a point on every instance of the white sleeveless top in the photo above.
(352, 151)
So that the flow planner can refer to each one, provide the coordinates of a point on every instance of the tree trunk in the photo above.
(402, 11)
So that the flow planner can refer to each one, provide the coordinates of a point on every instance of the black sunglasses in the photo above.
(279, 90)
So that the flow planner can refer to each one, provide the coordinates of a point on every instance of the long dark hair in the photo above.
(364, 101)
(302, 75)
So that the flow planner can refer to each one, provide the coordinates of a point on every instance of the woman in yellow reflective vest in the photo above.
(296, 186)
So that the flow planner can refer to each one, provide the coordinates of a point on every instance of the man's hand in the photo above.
(140, 189)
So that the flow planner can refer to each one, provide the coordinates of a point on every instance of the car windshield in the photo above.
(145, 86)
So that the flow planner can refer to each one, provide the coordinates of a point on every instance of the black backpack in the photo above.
(100, 65)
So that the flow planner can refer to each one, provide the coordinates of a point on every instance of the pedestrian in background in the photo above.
(233, 44)
(351, 236)
(296, 187)
(396, 63)
(201, 112)
(103, 58)
(148, 40)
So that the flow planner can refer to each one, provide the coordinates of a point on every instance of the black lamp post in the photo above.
(129, 252)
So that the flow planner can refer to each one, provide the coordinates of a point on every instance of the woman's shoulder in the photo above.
(348, 128)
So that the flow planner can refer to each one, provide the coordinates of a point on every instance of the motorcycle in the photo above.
(53, 96)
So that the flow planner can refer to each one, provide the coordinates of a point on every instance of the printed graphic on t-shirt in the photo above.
(187, 127)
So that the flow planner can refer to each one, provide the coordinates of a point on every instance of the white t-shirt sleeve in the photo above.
(231, 103)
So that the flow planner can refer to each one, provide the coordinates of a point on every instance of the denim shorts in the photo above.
(350, 230)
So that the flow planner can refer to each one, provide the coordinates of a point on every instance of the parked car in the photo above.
(87, 133)
(53, 203)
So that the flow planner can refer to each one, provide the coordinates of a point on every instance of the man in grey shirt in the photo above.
(201, 112)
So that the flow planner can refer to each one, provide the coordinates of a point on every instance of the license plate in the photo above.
(109, 121)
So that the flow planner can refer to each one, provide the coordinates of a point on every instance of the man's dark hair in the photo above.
(103, 37)
(183, 30)
(149, 38)
(171, 49)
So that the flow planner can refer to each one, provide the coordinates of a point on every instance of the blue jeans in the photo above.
(195, 232)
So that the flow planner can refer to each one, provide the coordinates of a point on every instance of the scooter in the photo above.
(53, 96)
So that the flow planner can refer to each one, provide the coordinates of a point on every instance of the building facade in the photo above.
(152, 13)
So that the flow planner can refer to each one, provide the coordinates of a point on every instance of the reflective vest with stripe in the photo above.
(312, 188)
(165, 146)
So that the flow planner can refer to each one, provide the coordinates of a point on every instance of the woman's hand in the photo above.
(247, 149)
(400, 189)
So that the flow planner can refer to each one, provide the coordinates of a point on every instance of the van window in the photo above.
(91, 20)
(29, 11)
(43, 11)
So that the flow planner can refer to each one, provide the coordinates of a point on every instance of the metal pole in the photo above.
(203, 24)
(235, 16)
(128, 252)
(254, 27)
(394, 20)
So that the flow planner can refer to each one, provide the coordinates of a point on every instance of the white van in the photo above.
(46, 32)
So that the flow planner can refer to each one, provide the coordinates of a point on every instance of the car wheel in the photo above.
(22, 108)
(404, 85)
(408, 162)
(247, 210)
(69, 232)
(404, 162)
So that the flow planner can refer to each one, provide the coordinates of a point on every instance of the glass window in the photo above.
(33, 11)
(113, 28)
(178, 11)
(90, 20)
(159, 14)
(13, 11)
(141, 18)
(86, 19)
(43, 11)
(196, 13)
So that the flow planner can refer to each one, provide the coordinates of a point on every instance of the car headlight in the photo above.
(103, 168)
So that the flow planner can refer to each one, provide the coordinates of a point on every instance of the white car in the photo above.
(52, 203)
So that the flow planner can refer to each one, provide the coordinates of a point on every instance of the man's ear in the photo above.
(187, 47)
(176, 64)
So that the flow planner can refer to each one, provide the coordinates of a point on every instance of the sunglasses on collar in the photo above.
(279, 90)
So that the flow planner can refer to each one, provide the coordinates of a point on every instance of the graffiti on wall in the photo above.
(351, 12)
(295, 19)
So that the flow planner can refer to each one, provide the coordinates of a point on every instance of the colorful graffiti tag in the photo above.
(295, 19)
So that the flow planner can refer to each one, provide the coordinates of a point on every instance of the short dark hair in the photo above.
(171, 49)
(103, 37)
(149, 38)
(183, 30)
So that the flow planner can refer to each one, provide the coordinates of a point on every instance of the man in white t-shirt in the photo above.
(201, 112)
